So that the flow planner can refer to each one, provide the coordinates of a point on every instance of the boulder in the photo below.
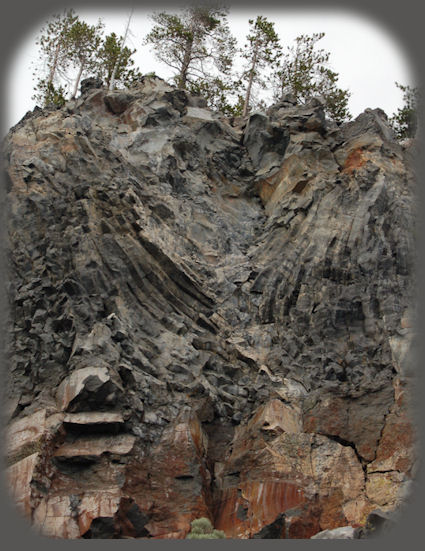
(90, 84)
(341, 533)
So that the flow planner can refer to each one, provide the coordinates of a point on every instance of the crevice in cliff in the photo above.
(363, 462)
(383, 471)
(388, 411)
(217, 264)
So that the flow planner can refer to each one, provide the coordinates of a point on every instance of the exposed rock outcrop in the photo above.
(207, 320)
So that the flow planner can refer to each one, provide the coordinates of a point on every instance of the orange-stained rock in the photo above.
(266, 189)
(119, 444)
(54, 518)
(355, 160)
(243, 510)
(359, 422)
(273, 468)
(272, 188)
(272, 471)
(93, 505)
(302, 522)
(357, 150)
(395, 450)
(336, 469)
(171, 485)
(19, 476)
(396, 455)
(332, 515)
(277, 415)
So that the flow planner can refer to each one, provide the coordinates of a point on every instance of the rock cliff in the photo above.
(207, 317)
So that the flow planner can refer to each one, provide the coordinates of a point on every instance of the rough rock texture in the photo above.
(342, 533)
(207, 320)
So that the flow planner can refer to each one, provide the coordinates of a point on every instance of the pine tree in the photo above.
(305, 72)
(85, 41)
(54, 46)
(115, 66)
(198, 46)
(405, 121)
(262, 50)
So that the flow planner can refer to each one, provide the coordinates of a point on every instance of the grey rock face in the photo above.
(162, 259)
(342, 533)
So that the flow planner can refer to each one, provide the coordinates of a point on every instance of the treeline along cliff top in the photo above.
(211, 314)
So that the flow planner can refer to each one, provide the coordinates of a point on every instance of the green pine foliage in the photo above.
(49, 93)
(219, 94)
(305, 72)
(84, 43)
(70, 50)
(405, 121)
(202, 528)
(66, 45)
(262, 51)
(197, 44)
(53, 44)
(112, 55)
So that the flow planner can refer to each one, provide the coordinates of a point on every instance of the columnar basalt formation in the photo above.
(207, 317)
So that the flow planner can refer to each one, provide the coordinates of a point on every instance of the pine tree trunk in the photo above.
(250, 81)
(185, 65)
(77, 81)
(54, 65)
(248, 95)
(111, 83)
(187, 56)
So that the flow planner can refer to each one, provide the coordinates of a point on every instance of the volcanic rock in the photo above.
(342, 533)
(207, 320)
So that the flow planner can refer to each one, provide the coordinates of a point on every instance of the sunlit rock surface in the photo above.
(207, 319)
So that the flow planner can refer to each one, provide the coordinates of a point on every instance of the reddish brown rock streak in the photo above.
(207, 320)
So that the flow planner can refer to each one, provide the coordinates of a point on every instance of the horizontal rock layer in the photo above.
(207, 319)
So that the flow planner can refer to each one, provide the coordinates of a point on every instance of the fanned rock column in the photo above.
(207, 319)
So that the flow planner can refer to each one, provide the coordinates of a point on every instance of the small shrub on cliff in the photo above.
(203, 529)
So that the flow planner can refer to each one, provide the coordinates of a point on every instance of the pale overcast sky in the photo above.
(367, 57)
